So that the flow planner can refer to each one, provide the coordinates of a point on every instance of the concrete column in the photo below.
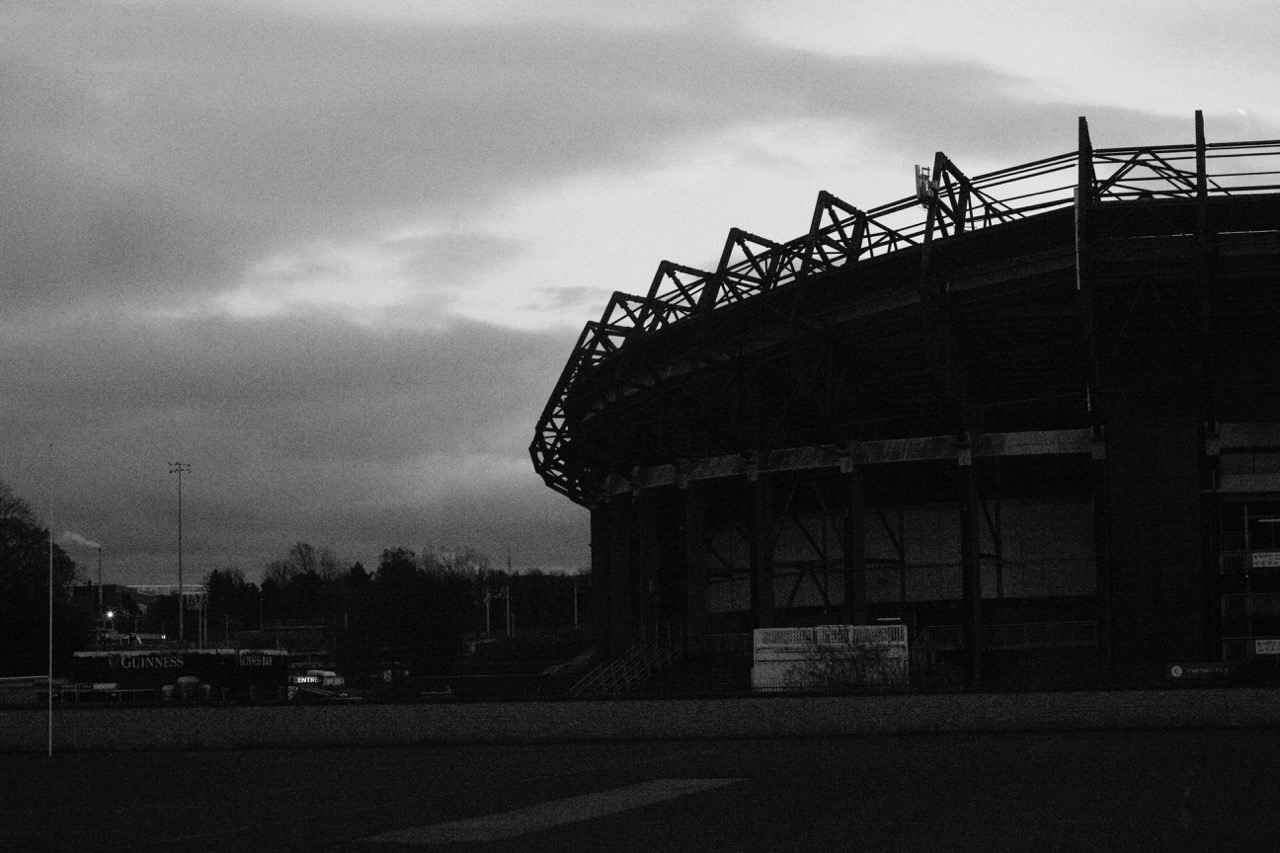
(855, 549)
(695, 555)
(622, 617)
(971, 569)
(643, 565)
(1102, 558)
(600, 574)
(762, 527)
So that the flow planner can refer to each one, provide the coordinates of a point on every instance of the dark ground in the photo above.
(1210, 789)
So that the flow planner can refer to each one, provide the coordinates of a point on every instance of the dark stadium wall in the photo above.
(1156, 559)
(732, 554)
(1057, 430)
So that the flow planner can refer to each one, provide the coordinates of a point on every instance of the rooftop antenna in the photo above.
(926, 189)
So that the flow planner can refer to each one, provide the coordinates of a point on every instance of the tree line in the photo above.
(418, 609)
(414, 608)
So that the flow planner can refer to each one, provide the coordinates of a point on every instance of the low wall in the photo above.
(236, 727)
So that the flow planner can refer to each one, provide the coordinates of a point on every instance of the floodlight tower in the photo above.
(179, 468)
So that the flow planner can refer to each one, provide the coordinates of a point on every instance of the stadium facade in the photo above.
(1034, 415)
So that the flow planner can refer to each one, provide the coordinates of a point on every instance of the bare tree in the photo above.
(328, 566)
(280, 572)
(303, 556)
(14, 507)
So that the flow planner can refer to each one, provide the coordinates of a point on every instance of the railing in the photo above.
(88, 694)
(947, 203)
(643, 660)
(1250, 604)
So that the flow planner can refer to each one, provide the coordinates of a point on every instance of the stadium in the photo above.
(1032, 416)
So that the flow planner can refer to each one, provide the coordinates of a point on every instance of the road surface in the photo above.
(1208, 789)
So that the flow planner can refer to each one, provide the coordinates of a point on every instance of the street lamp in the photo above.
(179, 468)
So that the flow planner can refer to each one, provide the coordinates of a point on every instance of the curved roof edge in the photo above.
(947, 204)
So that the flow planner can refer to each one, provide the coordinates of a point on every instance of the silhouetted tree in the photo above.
(279, 573)
(232, 603)
(24, 594)
(358, 636)
(425, 605)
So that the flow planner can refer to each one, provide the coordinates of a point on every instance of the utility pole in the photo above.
(179, 468)
(508, 592)
(49, 675)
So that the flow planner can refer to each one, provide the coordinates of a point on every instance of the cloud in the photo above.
(559, 298)
(454, 257)
(77, 539)
(280, 376)
(238, 234)
(153, 150)
(290, 425)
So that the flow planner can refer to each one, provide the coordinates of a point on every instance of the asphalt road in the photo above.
(1212, 789)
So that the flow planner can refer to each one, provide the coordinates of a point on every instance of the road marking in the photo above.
(554, 813)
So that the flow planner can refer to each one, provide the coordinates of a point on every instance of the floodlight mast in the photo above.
(179, 468)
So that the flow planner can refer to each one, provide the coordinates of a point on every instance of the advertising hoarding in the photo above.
(829, 657)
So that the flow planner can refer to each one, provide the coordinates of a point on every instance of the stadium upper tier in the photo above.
(1013, 235)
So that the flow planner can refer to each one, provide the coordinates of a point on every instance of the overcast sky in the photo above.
(333, 254)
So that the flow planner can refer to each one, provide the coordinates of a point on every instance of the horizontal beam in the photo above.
(1242, 437)
(1068, 442)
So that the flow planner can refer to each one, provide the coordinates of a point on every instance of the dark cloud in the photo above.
(154, 146)
(295, 429)
(307, 388)
(157, 153)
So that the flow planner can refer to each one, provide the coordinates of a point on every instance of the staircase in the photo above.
(640, 662)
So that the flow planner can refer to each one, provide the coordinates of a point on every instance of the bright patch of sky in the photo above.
(1169, 56)
(589, 236)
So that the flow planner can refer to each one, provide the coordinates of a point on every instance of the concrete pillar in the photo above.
(622, 617)
(971, 568)
(855, 548)
(600, 574)
(762, 529)
(644, 559)
(695, 551)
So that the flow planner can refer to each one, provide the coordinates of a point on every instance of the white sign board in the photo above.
(1266, 559)
(829, 657)
(1266, 647)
